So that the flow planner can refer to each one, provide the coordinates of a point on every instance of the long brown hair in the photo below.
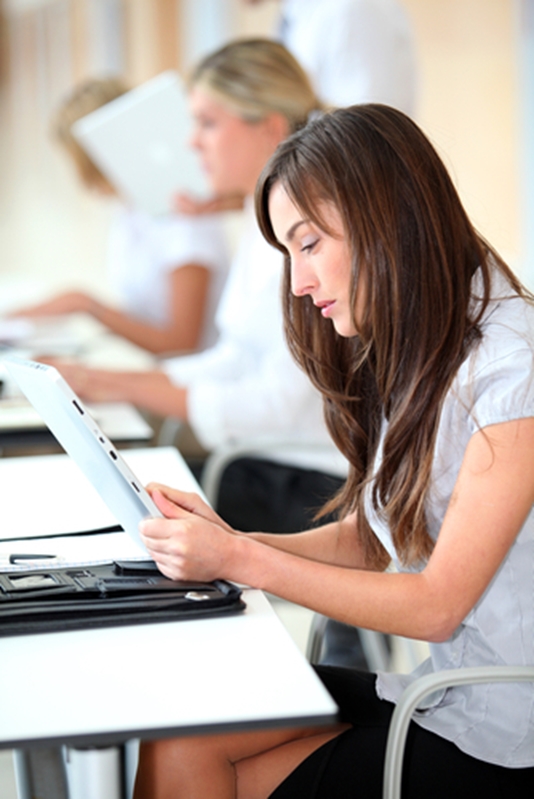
(412, 240)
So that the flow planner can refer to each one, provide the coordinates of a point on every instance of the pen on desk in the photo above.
(23, 556)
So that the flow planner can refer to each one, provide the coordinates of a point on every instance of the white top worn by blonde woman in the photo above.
(248, 387)
(495, 384)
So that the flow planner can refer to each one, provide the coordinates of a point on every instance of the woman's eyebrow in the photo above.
(293, 229)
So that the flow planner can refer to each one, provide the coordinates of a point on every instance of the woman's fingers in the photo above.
(170, 508)
(190, 547)
(191, 541)
(186, 501)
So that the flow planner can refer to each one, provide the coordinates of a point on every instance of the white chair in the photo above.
(413, 695)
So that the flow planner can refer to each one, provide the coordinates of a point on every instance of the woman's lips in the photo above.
(325, 307)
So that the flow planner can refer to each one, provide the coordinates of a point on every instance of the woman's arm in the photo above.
(188, 290)
(60, 305)
(335, 543)
(493, 495)
(150, 390)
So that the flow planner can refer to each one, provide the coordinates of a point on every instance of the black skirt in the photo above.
(352, 764)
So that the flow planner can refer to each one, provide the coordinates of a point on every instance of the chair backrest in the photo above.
(268, 448)
(420, 688)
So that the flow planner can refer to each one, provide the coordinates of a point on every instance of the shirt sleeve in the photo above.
(189, 239)
(493, 385)
(229, 403)
(503, 388)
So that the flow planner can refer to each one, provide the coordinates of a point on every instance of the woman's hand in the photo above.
(93, 385)
(150, 389)
(193, 206)
(70, 302)
(73, 372)
(192, 542)
(171, 500)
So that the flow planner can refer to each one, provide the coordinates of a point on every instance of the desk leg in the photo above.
(40, 773)
(22, 778)
(95, 773)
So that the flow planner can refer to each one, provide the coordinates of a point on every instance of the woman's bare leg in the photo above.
(244, 765)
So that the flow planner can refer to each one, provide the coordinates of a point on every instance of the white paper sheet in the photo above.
(48, 495)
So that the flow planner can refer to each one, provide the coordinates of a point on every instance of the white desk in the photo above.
(47, 495)
(102, 687)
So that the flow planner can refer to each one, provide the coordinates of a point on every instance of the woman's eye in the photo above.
(308, 245)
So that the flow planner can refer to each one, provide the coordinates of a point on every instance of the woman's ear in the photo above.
(277, 128)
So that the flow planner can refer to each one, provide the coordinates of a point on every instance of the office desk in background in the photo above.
(22, 431)
(99, 688)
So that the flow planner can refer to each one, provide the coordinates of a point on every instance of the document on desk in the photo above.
(25, 554)
(44, 496)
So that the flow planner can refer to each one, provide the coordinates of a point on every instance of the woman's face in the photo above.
(233, 152)
(320, 262)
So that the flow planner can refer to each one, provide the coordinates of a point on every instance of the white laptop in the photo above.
(140, 141)
(82, 438)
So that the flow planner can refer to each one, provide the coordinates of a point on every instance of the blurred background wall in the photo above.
(475, 102)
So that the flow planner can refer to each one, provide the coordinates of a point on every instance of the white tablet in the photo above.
(140, 141)
(80, 436)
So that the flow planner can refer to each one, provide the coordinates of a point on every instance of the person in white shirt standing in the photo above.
(355, 51)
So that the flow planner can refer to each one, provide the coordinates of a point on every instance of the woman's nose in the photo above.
(194, 139)
(302, 280)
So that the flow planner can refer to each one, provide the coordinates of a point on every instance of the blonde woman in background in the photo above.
(245, 99)
(354, 51)
(167, 271)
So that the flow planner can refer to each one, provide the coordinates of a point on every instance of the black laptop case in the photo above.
(129, 592)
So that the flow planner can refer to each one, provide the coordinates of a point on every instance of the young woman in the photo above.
(421, 341)
(167, 272)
